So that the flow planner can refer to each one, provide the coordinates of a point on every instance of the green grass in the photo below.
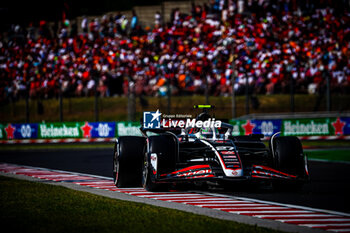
(36, 207)
(331, 155)
(115, 108)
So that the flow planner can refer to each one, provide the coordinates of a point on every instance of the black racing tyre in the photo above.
(289, 158)
(128, 161)
(165, 147)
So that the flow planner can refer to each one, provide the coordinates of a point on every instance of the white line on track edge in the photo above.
(277, 203)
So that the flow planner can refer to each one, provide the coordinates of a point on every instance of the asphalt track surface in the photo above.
(329, 187)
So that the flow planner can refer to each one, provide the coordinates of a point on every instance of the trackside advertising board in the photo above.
(294, 127)
(58, 130)
(313, 127)
(288, 127)
(126, 128)
(18, 131)
(246, 127)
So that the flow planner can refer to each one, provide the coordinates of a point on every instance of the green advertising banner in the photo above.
(126, 128)
(61, 130)
(237, 127)
(2, 132)
(308, 127)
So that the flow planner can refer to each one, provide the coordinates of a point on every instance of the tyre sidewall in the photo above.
(128, 161)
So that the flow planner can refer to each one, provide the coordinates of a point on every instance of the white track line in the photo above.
(251, 208)
(326, 225)
(269, 212)
(298, 216)
(317, 220)
(279, 204)
(142, 194)
(240, 205)
(214, 200)
(171, 195)
(194, 202)
(172, 198)
(339, 230)
(95, 183)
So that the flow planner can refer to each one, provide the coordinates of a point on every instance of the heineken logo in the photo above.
(51, 131)
(128, 129)
(235, 130)
(305, 128)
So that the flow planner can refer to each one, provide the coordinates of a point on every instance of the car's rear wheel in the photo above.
(128, 161)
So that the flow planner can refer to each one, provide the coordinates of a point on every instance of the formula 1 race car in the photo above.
(203, 155)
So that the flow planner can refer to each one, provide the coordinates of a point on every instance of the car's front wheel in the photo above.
(149, 175)
(160, 158)
(289, 158)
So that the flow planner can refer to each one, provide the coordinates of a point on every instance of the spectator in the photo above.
(276, 41)
(157, 19)
(134, 21)
(84, 25)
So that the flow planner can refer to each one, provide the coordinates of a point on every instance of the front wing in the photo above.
(204, 172)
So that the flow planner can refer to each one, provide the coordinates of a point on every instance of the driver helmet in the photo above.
(208, 133)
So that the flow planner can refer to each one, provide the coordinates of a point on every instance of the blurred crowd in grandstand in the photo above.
(267, 42)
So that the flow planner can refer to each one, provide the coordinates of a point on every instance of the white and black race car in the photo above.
(202, 155)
